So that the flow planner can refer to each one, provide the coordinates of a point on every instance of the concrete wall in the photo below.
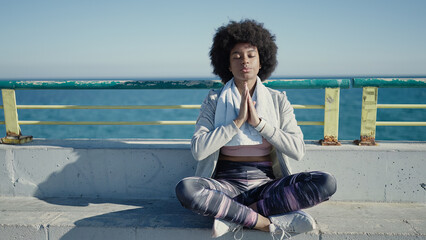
(150, 169)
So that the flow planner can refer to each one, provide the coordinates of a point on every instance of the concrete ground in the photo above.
(76, 218)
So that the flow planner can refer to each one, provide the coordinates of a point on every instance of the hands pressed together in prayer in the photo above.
(247, 110)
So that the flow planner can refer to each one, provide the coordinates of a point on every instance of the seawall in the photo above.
(149, 169)
(124, 189)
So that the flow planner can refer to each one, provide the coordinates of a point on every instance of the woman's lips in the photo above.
(245, 70)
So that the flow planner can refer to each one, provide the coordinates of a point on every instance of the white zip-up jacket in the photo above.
(287, 140)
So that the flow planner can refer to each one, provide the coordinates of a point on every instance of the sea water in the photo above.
(349, 124)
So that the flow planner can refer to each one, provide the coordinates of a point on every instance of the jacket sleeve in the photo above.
(288, 138)
(207, 139)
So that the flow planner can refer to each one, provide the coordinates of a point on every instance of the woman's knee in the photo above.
(329, 183)
(186, 190)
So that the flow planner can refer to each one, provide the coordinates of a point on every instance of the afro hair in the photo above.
(245, 31)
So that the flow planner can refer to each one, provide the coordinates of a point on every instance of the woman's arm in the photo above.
(287, 139)
(207, 139)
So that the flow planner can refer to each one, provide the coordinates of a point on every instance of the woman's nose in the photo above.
(244, 60)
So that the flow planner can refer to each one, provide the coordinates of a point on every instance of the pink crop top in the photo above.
(248, 150)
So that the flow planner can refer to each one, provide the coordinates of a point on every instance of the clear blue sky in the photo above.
(143, 39)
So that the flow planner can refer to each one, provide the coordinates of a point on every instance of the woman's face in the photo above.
(244, 62)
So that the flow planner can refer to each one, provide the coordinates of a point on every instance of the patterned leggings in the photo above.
(237, 185)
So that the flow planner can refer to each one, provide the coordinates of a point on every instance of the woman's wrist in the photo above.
(238, 122)
(261, 125)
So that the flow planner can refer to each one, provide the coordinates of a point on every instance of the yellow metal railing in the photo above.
(397, 106)
(369, 105)
(14, 136)
(331, 103)
(107, 107)
(135, 107)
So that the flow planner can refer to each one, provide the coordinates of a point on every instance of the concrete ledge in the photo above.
(150, 169)
(56, 218)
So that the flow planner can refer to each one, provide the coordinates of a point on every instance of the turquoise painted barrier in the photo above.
(164, 84)
(389, 82)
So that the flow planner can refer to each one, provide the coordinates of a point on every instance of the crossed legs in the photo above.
(223, 199)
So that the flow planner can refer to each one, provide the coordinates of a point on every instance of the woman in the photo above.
(243, 136)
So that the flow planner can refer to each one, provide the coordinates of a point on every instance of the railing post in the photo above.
(13, 131)
(331, 117)
(368, 117)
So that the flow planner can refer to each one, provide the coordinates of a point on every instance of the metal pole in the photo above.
(13, 131)
(331, 117)
(368, 117)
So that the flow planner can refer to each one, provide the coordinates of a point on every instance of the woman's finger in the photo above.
(243, 114)
(253, 118)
